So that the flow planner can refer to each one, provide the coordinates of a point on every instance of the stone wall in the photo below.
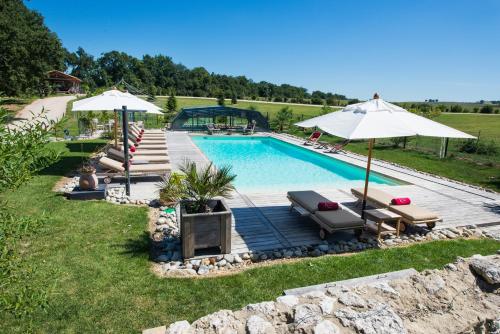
(463, 297)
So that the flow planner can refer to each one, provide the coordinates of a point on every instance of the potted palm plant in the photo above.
(205, 216)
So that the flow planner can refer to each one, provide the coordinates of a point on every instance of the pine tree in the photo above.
(172, 103)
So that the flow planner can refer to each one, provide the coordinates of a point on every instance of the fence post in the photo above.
(404, 142)
(447, 141)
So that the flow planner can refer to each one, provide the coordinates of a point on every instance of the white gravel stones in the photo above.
(72, 184)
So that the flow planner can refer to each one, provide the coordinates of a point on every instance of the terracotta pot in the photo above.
(88, 181)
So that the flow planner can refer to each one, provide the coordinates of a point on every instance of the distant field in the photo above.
(489, 125)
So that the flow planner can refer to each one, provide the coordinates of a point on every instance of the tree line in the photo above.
(28, 50)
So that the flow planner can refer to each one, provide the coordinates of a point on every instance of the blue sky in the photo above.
(403, 49)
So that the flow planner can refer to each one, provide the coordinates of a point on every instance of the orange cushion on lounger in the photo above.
(401, 201)
(328, 206)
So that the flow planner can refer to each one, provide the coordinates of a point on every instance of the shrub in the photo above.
(486, 110)
(284, 118)
(172, 190)
(473, 146)
(24, 152)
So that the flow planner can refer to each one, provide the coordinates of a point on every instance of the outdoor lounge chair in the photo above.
(147, 135)
(411, 213)
(135, 139)
(111, 166)
(211, 129)
(249, 129)
(137, 128)
(137, 158)
(140, 151)
(329, 221)
(147, 146)
(313, 138)
(335, 148)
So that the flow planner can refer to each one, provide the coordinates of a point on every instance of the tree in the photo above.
(171, 103)
(284, 117)
(487, 109)
(220, 99)
(234, 100)
(28, 49)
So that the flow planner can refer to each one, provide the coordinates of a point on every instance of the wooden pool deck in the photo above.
(263, 221)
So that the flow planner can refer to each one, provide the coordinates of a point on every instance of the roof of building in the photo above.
(55, 74)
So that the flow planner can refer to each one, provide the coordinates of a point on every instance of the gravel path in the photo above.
(53, 107)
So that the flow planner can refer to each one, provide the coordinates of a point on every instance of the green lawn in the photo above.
(92, 259)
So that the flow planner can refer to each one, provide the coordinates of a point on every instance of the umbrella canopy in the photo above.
(114, 99)
(377, 118)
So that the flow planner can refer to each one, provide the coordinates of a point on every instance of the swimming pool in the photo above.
(266, 163)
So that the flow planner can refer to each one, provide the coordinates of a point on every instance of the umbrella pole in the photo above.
(368, 165)
(126, 149)
(116, 129)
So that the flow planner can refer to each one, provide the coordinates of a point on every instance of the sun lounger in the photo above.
(116, 167)
(313, 138)
(147, 146)
(140, 151)
(411, 213)
(138, 158)
(137, 128)
(211, 129)
(329, 221)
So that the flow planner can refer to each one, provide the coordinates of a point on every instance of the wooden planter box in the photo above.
(206, 230)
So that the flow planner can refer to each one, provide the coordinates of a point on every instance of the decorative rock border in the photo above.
(168, 255)
(460, 298)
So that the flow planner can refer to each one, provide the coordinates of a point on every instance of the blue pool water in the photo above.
(264, 163)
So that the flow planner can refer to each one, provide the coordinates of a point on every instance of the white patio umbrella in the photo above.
(377, 118)
(116, 100)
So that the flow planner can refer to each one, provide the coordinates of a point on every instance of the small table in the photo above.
(382, 216)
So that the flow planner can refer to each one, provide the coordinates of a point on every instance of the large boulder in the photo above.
(381, 319)
(488, 270)
(257, 325)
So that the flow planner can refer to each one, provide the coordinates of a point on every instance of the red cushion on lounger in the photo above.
(400, 201)
(328, 206)
(138, 140)
(132, 149)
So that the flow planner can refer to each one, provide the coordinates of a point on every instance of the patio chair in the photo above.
(147, 140)
(137, 158)
(329, 221)
(250, 128)
(114, 167)
(211, 128)
(411, 213)
(313, 138)
(335, 148)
